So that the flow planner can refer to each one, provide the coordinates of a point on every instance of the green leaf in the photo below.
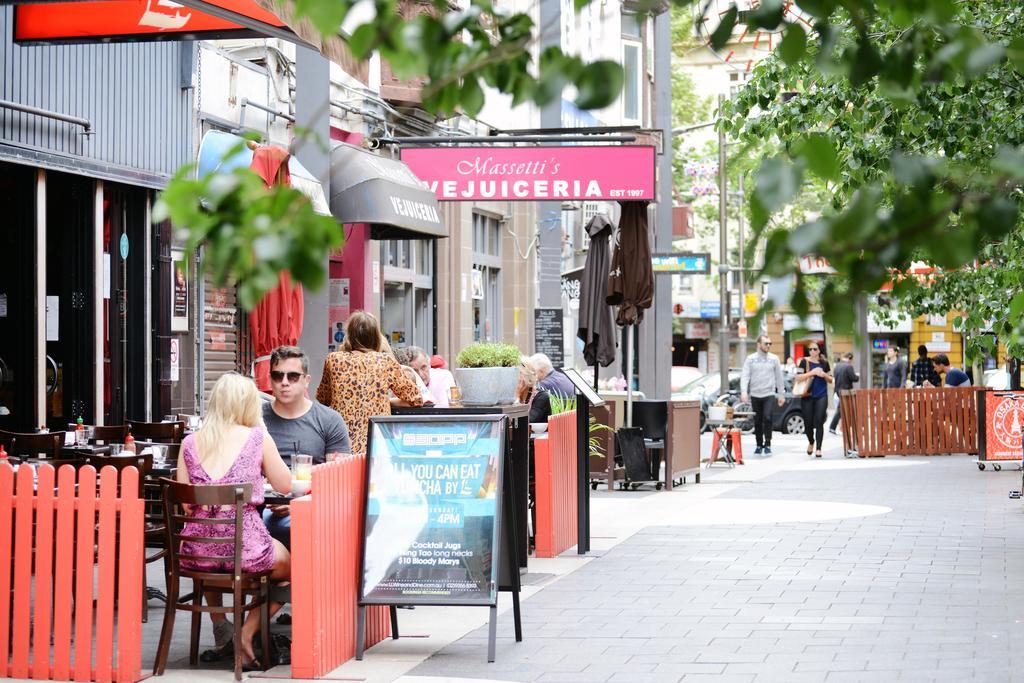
(864, 61)
(805, 239)
(777, 182)
(821, 9)
(819, 154)
(793, 45)
(982, 58)
(723, 32)
(767, 15)
(1009, 160)
(472, 96)
(327, 17)
(1015, 53)
(1017, 305)
(599, 84)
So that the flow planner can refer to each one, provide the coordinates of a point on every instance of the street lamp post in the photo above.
(723, 259)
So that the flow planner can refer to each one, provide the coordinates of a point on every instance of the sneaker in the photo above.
(833, 432)
(758, 451)
(767, 451)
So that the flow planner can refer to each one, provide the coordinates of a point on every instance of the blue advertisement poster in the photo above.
(432, 510)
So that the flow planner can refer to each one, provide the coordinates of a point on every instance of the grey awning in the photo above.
(383, 192)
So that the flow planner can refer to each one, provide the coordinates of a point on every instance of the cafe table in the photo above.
(517, 443)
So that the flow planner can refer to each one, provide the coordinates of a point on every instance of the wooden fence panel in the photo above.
(555, 485)
(326, 537)
(935, 421)
(49, 547)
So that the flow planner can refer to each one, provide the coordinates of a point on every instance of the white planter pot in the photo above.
(487, 386)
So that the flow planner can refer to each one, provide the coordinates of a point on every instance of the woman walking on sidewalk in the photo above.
(814, 406)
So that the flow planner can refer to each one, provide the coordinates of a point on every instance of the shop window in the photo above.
(631, 88)
(486, 278)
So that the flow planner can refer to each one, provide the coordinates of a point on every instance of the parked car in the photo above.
(682, 375)
(787, 419)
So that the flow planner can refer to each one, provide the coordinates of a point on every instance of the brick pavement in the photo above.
(932, 590)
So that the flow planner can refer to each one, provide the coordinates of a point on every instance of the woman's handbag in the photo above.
(802, 387)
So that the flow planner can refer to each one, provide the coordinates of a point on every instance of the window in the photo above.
(632, 88)
(486, 278)
(407, 301)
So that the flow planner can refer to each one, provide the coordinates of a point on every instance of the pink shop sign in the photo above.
(535, 173)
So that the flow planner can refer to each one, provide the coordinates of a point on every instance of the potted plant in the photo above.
(488, 373)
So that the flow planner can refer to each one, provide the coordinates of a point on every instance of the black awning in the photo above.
(383, 192)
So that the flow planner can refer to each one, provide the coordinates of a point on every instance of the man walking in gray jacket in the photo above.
(760, 382)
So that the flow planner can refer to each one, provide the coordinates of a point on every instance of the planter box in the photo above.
(487, 386)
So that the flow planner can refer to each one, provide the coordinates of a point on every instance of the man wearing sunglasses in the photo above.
(298, 425)
(760, 382)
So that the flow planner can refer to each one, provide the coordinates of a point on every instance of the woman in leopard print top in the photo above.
(358, 380)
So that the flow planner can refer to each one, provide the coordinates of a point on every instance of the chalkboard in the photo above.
(433, 510)
(548, 334)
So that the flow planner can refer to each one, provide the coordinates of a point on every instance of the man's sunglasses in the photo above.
(293, 377)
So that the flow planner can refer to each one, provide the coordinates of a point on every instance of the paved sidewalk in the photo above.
(786, 569)
(827, 570)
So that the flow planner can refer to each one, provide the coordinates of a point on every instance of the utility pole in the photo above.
(742, 274)
(723, 259)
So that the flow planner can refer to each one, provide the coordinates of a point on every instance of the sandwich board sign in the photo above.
(433, 513)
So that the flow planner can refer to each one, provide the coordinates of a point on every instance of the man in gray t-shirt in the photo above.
(317, 432)
(298, 425)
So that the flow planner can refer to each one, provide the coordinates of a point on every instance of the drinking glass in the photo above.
(302, 467)
(116, 449)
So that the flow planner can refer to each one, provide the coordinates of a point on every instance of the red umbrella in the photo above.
(277, 318)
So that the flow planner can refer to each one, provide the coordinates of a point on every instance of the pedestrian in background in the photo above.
(761, 383)
(923, 370)
(955, 377)
(845, 377)
(895, 370)
(814, 406)
(790, 369)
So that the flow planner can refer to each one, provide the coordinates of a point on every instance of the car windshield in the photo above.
(705, 384)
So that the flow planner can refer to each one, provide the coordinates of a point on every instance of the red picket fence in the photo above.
(934, 421)
(326, 538)
(555, 482)
(77, 536)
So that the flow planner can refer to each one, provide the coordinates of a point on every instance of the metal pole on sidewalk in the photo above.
(723, 260)
(742, 273)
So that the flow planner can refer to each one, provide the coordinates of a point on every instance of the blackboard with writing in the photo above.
(548, 334)
(433, 511)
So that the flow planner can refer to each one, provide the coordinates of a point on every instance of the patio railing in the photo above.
(58, 538)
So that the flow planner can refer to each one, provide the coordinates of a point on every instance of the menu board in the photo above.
(548, 334)
(431, 533)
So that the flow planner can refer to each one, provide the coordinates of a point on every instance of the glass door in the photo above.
(18, 298)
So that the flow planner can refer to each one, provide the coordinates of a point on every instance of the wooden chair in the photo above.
(165, 432)
(179, 501)
(154, 531)
(107, 434)
(27, 445)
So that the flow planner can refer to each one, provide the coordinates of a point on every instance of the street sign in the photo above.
(710, 309)
(681, 263)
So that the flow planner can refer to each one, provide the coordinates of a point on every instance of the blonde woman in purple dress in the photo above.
(233, 447)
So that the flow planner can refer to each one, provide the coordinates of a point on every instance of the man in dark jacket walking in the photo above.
(845, 376)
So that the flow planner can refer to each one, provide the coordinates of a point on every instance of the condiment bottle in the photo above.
(80, 432)
(3, 453)
(129, 443)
